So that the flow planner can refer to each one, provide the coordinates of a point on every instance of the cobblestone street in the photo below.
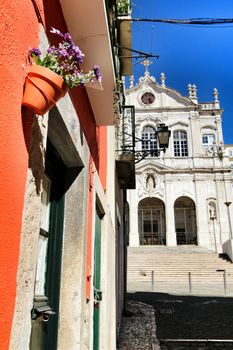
(190, 317)
(160, 321)
(182, 322)
(138, 329)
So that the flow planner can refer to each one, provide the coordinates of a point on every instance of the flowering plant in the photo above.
(64, 60)
(123, 7)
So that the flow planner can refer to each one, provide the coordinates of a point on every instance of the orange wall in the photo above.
(18, 31)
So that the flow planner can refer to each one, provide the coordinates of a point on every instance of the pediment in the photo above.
(153, 165)
(180, 124)
(165, 98)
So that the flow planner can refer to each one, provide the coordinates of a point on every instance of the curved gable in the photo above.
(165, 98)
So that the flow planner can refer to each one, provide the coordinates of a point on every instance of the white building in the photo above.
(180, 195)
(228, 148)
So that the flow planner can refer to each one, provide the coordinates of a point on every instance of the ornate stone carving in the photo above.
(145, 118)
(152, 118)
(146, 89)
(194, 115)
(162, 79)
(150, 184)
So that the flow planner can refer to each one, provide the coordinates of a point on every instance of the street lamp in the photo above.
(229, 218)
(163, 136)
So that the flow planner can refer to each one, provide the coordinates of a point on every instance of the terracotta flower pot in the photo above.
(43, 88)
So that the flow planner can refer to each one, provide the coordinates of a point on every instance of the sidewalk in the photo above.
(180, 288)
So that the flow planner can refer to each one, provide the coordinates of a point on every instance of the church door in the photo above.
(151, 215)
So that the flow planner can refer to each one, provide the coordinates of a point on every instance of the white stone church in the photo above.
(182, 196)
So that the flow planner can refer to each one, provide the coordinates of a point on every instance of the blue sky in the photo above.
(189, 54)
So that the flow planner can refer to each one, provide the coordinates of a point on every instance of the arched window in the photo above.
(149, 140)
(180, 143)
(151, 221)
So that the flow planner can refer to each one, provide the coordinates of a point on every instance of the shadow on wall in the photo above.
(27, 121)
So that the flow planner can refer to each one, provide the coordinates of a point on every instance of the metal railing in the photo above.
(125, 132)
(218, 283)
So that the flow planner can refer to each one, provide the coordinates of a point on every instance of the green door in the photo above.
(96, 281)
(47, 282)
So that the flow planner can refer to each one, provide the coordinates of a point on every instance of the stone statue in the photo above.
(150, 183)
(212, 211)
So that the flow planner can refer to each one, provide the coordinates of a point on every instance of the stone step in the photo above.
(179, 261)
(173, 264)
(186, 249)
(180, 265)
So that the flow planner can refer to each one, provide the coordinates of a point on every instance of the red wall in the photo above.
(19, 30)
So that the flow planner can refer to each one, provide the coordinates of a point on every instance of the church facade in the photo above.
(181, 195)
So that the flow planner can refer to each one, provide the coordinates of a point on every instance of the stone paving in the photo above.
(189, 316)
(138, 329)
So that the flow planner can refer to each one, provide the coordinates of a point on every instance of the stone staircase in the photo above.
(173, 265)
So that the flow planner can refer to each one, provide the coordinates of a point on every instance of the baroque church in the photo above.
(183, 195)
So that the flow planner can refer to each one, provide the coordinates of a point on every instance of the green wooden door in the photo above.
(47, 283)
(96, 281)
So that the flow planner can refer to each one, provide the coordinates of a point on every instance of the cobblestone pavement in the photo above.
(138, 329)
(189, 317)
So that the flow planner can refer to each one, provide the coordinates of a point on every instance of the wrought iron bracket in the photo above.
(142, 154)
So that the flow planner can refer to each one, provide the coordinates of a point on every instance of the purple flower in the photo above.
(34, 51)
(78, 55)
(63, 53)
(51, 49)
(64, 59)
(97, 73)
(68, 38)
(57, 32)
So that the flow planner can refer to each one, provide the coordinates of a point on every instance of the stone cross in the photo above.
(146, 63)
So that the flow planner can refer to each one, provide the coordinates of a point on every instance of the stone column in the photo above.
(194, 121)
(218, 121)
(201, 212)
(223, 194)
(133, 219)
(229, 195)
(169, 212)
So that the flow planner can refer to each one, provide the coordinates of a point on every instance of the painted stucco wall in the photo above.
(18, 30)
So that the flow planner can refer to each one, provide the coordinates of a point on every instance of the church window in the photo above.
(208, 140)
(180, 143)
(149, 140)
